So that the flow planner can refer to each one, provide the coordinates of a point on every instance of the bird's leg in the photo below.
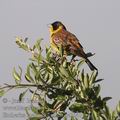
(73, 56)
(64, 57)
(72, 59)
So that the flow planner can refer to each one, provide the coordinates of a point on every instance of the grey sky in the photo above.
(95, 23)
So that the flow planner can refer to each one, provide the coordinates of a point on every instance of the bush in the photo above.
(63, 90)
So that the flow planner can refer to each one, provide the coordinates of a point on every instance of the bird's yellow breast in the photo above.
(54, 35)
(53, 45)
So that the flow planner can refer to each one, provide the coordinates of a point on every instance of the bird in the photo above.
(59, 35)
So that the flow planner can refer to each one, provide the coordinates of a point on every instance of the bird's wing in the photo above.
(69, 42)
(72, 40)
(75, 46)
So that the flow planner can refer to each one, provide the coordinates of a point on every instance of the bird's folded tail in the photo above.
(91, 66)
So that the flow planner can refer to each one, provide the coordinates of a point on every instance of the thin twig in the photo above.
(21, 86)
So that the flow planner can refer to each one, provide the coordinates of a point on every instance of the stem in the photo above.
(22, 86)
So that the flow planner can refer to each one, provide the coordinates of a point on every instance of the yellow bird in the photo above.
(71, 45)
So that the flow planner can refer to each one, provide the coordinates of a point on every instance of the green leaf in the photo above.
(61, 114)
(20, 70)
(16, 75)
(65, 63)
(33, 66)
(77, 107)
(22, 95)
(82, 75)
(28, 76)
(86, 81)
(118, 108)
(93, 77)
(61, 50)
(22, 44)
(107, 112)
(35, 110)
(34, 118)
(48, 53)
(98, 80)
(85, 116)
(105, 99)
(63, 71)
(50, 77)
(72, 118)
(65, 118)
(114, 115)
(59, 97)
(37, 45)
(80, 63)
(2, 92)
(27, 111)
(97, 90)
(94, 115)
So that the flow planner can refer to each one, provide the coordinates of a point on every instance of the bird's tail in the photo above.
(91, 66)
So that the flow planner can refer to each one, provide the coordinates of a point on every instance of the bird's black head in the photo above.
(57, 24)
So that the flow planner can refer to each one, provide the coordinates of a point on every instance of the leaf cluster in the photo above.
(60, 87)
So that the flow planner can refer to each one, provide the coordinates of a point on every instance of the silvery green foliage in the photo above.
(60, 86)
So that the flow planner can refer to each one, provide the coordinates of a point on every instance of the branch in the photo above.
(21, 86)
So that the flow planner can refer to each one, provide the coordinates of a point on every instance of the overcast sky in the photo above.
(95, 23)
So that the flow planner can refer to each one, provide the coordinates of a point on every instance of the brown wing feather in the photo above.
(59, 38)
(75, 46)
(70, 43)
